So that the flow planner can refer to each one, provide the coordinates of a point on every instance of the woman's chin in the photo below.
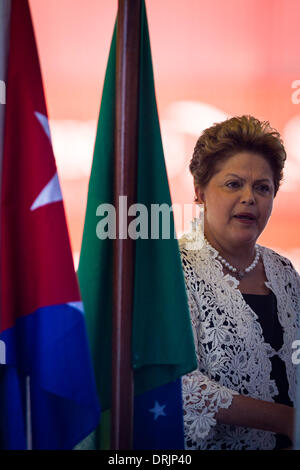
(244, 238)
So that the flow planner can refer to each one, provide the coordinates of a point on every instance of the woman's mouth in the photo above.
(245, 218)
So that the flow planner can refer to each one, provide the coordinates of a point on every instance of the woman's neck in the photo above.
(237, 255)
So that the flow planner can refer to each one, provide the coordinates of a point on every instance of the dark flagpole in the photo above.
(127, 86)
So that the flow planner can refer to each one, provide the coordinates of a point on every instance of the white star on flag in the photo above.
(78, 305)
(158, 410)
(51, 192)
(43, 120)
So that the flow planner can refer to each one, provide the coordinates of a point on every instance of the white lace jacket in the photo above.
(233, 357)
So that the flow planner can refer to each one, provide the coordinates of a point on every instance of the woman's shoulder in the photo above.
(274, 261)
(199, 260)
(195, 261)
(190, 249)
(187, 254)
(274, 255)
(192, 253)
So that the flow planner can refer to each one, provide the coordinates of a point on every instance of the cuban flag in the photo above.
(48, 397)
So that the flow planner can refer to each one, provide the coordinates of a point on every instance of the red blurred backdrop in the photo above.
(211, 60)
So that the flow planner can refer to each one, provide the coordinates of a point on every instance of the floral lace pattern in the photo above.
(233, 357)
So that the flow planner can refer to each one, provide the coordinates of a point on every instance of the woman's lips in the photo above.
(245, 218)
(246, 221)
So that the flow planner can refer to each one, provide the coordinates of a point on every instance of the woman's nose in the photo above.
(247, 196)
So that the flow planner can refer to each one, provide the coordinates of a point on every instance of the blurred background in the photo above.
(211, 60)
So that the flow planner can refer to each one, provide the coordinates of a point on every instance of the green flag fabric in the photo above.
(162, 340)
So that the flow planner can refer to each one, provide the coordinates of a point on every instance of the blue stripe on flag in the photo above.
(50, 346)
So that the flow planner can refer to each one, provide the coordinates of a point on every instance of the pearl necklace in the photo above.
(240, 273)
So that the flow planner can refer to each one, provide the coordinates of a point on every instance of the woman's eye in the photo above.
(263, 188)
(233, 184)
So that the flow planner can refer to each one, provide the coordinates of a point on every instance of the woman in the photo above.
(244, 298)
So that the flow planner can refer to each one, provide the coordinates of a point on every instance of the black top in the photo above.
(265, 307)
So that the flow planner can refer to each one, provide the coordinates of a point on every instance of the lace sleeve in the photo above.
(202, 397)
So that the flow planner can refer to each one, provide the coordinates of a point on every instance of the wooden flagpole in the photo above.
(127, 87)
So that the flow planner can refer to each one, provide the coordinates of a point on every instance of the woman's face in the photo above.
(238, 200)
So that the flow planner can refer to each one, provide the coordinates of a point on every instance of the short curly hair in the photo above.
(232, 136)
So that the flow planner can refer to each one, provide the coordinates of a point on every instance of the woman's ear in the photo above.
(199, 194)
